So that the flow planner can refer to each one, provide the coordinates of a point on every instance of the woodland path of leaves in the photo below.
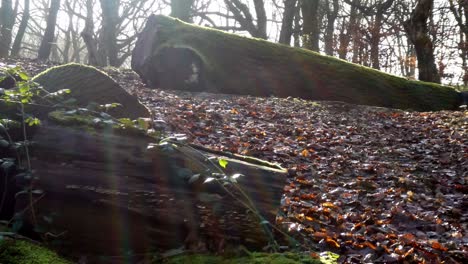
(371, 184)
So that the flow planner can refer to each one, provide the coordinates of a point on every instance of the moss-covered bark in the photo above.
(171, 54)
(88, 84)
(17, 251)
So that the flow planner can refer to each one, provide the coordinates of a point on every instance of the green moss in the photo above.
(232, 68)
(86, 122)
(16, 251)
(62, 118)
(254, 258)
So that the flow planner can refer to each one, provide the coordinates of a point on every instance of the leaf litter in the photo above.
(370, 184)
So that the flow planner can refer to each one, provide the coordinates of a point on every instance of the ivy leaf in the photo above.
(223, 163)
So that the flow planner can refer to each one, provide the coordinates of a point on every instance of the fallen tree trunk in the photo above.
(102, 191)
(171, 54)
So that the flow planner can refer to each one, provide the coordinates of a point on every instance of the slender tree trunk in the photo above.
(182, 9)
(357, 38)
(461, 16)
(110, 18)
(243, 15)
(49, 35)
(287, 22)
(345, 38)
(7, 19)
(311, 27)
(377, 32)
(332, 14)
(418, 33)
(95, 57)
(297, 27)
(21, 30)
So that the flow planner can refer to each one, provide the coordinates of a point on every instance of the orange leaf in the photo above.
(320, 234)
(332, 242)
(305, 153)
(408, 237)
(314, 255)
(438, 246)
(370, 245)
(328, 204)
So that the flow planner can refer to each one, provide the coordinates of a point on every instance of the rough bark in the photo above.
(170, 54)
(287, 21)
(418, 33)
(311, 25)
(49, 35)
(21, 30)
(182, 9)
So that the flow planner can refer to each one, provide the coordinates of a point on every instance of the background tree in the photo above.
(243, 15)
(21, 30)
(287, 21)
(418, 32)
(49, 35)
(182, 9)
(311, 24)
(331, 8)
(460, 12)
(7, 20)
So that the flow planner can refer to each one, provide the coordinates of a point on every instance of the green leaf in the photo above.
(328, 257)
(223, 163)
(23, 76)
(33, 121)
(126, 122)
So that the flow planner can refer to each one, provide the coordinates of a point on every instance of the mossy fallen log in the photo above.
(171, 54)
(100, 190)
(88, 84)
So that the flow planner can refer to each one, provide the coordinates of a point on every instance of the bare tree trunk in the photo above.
(311, 28)
(332, 14)
(418, 33)
(287, 22)
(242, 15)
(110, 19)
(182, 9)
(345, 37)
(7, 19)
(376, 32)
(49, 35)
(461, 16)
(297, 26)
(94, 57)
(21, 30)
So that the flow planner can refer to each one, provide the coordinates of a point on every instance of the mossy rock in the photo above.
(17, 251)
(171, 54)
(254, 258)
(88, 84)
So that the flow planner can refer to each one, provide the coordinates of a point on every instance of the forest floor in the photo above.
(371, 184)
